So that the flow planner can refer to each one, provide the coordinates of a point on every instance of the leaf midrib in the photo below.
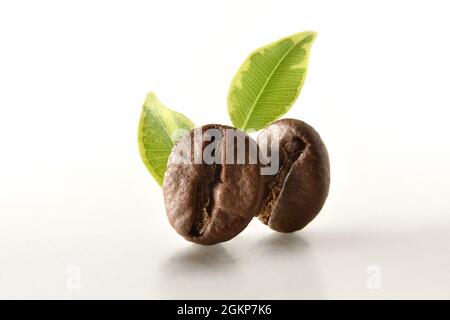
(252, 108)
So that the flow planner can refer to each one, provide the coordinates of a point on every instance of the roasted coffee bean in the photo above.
(208, 202)
(297, 192)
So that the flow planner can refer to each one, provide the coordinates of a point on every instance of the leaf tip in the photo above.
(313, 35)
(305, 36)
(150, 99)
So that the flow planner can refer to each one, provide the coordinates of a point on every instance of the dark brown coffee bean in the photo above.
(297, 192)
(211, 202)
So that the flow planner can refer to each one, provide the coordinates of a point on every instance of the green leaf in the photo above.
(269, 81)
(157, 129)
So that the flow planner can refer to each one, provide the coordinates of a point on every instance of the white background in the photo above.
(80, 217)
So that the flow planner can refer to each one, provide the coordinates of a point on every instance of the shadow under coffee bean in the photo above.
(297, 192)
(208, 202)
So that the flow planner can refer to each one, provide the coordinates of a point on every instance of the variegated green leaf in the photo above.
(269, 81)
(157, 134)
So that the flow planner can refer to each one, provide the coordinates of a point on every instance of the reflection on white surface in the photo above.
(276, 266)
(316, 263)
